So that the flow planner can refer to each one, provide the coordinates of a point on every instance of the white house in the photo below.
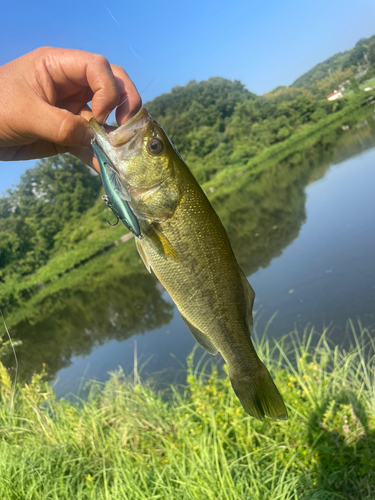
(336, 94)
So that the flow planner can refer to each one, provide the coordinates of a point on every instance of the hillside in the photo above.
(340, 67)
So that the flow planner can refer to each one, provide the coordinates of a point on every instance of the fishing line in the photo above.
(134, 52)
(136, 55)
(113, 17)
(16, 360)
(126, 98)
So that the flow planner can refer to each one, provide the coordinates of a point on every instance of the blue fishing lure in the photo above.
(117, 195)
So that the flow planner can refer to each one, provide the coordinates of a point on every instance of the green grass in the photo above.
(370, 83)
(134, 442)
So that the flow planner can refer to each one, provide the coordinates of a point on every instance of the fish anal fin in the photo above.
(201, 338)
(142, 254)
(253, 385)
(249, 298)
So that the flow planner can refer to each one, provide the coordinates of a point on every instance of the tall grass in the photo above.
(131, 441)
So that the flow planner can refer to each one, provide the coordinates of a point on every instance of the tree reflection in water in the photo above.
(75, 321)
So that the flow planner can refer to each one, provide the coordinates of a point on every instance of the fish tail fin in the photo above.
(258, 394)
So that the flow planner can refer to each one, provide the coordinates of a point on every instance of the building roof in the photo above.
(335, 92)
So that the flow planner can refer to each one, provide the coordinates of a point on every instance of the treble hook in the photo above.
(111, 207)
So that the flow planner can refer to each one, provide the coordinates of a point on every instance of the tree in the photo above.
(354, 85)
(371, 52)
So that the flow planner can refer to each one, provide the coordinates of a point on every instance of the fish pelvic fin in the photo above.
(201, 338)
(258, 394)
(142, 255)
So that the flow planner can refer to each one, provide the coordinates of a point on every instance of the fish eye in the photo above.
(154, 146)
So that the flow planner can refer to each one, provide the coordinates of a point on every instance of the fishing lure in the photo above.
(117, 195)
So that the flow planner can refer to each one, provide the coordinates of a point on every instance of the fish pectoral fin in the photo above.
(201, 338)
(142, 255)
(160, 243)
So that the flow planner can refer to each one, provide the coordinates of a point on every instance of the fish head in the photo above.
(145, 160)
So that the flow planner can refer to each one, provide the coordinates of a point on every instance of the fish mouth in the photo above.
(129, 129)
(122, 134)
(123, 141)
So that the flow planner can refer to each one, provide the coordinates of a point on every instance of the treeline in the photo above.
(221, 123)
(339, 67)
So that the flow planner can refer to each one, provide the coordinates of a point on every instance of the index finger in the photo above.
(109, 84)
(130, 101)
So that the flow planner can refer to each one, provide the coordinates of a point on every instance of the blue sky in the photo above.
(166, 43)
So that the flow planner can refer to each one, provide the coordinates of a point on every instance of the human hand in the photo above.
(44, 96)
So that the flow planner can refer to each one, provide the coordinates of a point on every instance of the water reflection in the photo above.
(75, 321)
(263, 216)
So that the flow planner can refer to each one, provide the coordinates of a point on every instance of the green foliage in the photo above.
(199, 105)
(212, 136)
(135, 442)
(354, 85)
(371, 52)
(48, 197)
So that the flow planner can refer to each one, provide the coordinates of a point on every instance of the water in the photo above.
(328, 273)
(304, 233)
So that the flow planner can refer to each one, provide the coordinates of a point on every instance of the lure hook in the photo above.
(112, 208)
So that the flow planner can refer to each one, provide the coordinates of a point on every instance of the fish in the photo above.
(183, 242)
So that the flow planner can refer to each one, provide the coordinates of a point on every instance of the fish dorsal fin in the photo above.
(160, 243)
(116, 183)
(201, 338)
(249, 296)
(142, 254)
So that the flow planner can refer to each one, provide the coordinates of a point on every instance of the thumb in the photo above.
(59, 126)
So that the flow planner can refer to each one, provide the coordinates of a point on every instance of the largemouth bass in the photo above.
(185, 244)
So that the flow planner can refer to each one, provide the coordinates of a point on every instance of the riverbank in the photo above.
(305, 137)
(127, 440)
